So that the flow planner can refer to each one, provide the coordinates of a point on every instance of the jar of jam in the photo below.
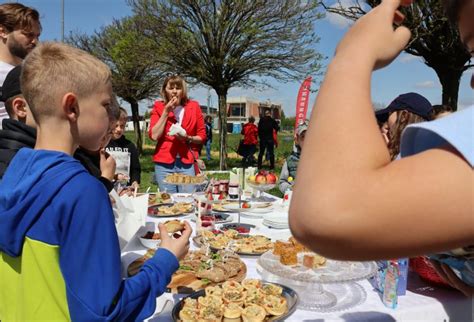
(224, 186)
(234, 191)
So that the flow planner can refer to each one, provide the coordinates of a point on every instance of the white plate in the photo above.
(182, 197)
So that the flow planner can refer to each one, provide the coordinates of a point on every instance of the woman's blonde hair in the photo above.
(404, 118)
(53, 69)
(177, 81)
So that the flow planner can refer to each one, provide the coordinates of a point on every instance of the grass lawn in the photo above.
(285, 145)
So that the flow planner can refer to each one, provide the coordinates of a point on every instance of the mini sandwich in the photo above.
(174, 226)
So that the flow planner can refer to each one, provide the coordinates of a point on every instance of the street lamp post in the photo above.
(62, 20)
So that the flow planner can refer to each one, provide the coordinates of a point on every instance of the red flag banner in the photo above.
(302, 101)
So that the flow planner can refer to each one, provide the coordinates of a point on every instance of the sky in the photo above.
(406, 74)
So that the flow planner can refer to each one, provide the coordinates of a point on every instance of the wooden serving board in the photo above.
(186, 282)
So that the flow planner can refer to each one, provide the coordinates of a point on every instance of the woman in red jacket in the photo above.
(176, 153)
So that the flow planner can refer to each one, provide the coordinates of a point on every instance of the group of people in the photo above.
(356, 198)
(266, 132)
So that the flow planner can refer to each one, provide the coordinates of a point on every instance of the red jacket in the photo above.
(167, 146)
(250, 132)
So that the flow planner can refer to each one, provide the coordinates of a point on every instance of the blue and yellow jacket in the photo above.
(59, 250)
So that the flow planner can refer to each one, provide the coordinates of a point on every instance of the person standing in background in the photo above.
(208, 122)
(176, 151)
(125, 153)
(266, 125)
(249, 143)
(20, 29)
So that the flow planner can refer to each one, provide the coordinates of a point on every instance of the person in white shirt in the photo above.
(20, 29)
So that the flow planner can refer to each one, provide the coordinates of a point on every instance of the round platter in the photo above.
(290, 295)
(205, 182)
(156, 214)
(221, 218)
(184, 282)
(332, 271)
(199, 242)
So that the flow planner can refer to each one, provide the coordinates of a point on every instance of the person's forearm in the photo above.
(158, 129)
(194, 139)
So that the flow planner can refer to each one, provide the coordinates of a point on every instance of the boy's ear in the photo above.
(19, 107)
(3, 32)
(70, 106)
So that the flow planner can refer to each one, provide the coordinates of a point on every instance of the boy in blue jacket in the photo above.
(59, 250)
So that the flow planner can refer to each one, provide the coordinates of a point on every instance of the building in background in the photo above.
(239, 109)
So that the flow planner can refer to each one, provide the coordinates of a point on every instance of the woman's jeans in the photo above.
(164, 169)
(208, 149)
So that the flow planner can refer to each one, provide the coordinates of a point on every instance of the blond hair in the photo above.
(53, 69)
(177, 81)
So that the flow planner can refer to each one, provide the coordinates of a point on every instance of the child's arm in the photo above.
(90, 261)
(351, 202)
(283, 183)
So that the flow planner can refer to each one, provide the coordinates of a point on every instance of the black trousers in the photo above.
(248, 159)
(269, 146)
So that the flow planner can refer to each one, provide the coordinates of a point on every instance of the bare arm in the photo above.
(351, 202)
(158, 129)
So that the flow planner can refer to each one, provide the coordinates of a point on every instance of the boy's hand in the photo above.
(373, 39)
(179, 246)
(107, 165)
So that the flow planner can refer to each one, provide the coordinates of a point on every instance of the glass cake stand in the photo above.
(259, 188)
(328, 288)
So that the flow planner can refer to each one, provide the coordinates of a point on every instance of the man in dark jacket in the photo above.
(19, 130)
(266, 125)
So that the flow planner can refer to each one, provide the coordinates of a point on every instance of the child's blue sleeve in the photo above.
(90, 263)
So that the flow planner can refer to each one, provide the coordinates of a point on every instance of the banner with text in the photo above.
(302, 101)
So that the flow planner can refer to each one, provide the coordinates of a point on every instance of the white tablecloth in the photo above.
(421, 303)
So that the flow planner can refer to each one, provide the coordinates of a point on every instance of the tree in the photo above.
(227, 43)
(136, 75)
(433, 38)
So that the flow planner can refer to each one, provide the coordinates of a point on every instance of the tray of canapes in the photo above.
(250, 300)
(159, 198)
(183, 179)
(293, 261)
(254, 245)
(171, 209)
(199, 269)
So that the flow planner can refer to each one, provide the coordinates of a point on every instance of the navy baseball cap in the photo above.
(11, 85)
(412, 102)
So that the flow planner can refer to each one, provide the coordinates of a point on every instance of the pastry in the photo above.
(275, 305)
(288, 257)
(272, 289)
(251, 283)
(313, 260)
(232, 310)
(173, 226)
(253, 313)
(233, 295)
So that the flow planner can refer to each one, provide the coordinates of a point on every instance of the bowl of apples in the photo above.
(263, 180)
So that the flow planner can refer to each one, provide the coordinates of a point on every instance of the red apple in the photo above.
(271, 178)
(260, 179)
